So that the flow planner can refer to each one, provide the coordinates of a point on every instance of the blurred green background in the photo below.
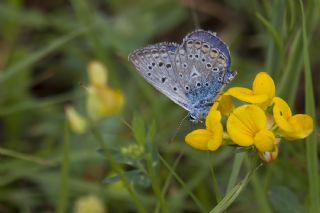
(45, 47)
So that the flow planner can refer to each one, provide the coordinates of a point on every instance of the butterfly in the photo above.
(191, 74)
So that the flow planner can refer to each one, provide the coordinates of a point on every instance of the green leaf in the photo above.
(283, 200)
(152, 131)
(138, 129)
(120, 158)
(135, 177)
(233, 194)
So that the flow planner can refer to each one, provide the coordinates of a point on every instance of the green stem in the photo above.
(215, 183)
(26, 157)
(96, 133)
(237, 163)
(259, 191)
(155, 184)
(64, 179)
(168, 180)
(176, 176)
(311, 141)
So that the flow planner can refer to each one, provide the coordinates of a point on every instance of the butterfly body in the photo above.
(191, 74)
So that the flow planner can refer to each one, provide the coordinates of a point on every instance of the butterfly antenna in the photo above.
(195, 17)
(178, 128)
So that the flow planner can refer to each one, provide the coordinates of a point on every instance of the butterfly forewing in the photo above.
(155, 64)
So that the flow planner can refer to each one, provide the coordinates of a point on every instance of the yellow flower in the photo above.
(102, 100)
(247, 126)
(90, 203)
(262, 93)
(77, 122)
(291, 126)
(209, 138)
(269, 156)
(98, 75)
(223, 104)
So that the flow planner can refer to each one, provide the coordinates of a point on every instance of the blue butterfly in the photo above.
(191, 74)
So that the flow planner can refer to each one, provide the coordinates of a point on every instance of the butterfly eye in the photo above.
(168, 66)
(160, 64)
(198, 84)
(209, 65)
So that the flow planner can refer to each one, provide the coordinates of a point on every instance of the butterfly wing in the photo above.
(156, 64)
(203, 66)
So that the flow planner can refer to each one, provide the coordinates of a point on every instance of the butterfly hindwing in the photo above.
(203, 67)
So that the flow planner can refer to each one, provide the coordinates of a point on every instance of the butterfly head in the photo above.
(198, 115)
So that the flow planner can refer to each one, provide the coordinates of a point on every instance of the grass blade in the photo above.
(25, 157)
(238, 159)
(233, 194)
(36, 56)
(311, 141)
(174, 174)
(275, 52)
(64, 175)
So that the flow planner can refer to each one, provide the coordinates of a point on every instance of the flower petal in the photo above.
(269, 156)
(264, 85)
(281, 114)
(302, 125)
(76, 121)
(213, 117)
(244, 123)
(225, 105)
(97, 73)
(216, 141)
(103, 101)
(199, 139)
(247, 95)
(264, 140)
